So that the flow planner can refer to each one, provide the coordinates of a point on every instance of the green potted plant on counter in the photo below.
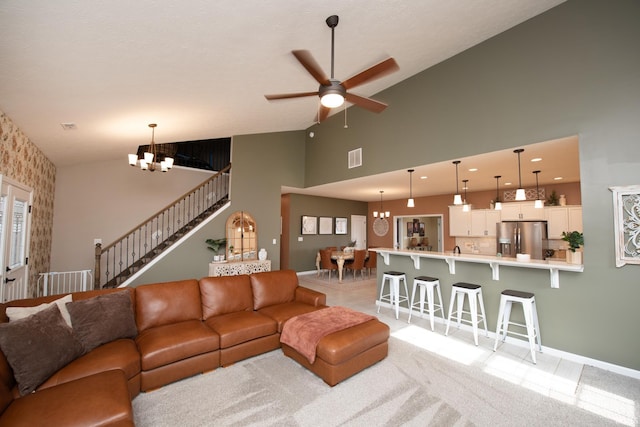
(575, 239)
(215, 245)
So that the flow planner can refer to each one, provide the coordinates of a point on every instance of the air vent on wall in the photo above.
(69, 126)
(355, 158)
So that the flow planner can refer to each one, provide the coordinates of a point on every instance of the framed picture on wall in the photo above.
(341, 225)
(326, 225)
(309, 224)
(409, 229)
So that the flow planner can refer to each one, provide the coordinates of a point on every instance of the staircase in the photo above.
(117, 262)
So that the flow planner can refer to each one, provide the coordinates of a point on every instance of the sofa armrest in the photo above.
(311, 297)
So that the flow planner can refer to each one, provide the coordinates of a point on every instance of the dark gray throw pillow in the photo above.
(38, 346)
(103, 319)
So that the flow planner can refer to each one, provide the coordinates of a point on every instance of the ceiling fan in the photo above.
(332, 92)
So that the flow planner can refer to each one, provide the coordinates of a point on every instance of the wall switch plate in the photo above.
(300, 238)
(274, 241)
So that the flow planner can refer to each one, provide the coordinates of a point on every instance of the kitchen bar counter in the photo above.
(554, 266)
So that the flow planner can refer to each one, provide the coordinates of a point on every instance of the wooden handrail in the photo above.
(177, 200)
(145, 241)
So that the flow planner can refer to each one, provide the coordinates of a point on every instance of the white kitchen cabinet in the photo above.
(459, 222)
(483, 222)
(521, 211)
(563, 218)
(575, 218)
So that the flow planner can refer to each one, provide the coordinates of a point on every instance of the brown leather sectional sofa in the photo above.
(184, 328)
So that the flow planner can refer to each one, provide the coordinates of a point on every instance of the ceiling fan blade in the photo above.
(310, 64)
(323, 113)
(367, 103)
(290, 95)
(381, 69)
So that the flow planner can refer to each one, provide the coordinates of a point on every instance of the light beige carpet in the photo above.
(410, 387)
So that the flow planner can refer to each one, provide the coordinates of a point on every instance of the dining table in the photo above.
(340, 257)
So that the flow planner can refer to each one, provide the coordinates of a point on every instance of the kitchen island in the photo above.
(554, 266)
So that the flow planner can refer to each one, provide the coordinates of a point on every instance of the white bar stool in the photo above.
(528, 301)
(474, 293)
(394, 297)
(427, 285)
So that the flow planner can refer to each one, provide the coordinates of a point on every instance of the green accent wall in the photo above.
(573, 70)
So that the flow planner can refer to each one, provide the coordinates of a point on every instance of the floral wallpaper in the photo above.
(23, 162)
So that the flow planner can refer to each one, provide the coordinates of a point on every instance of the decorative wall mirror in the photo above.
(242, 237)
(626, 210)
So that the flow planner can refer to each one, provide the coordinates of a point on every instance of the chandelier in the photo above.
(383, 214)
(150, 160)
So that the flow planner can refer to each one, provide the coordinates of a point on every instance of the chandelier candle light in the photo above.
(383, 214)
(150, 158)
(520, 194)
(457, 199)
(410, 202)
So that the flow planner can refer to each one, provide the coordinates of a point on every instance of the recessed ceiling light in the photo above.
(423, 177)
(557, 178)
(537, 159)
(473, 170)
(507, 183)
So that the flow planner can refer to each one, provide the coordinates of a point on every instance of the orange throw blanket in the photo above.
(304, 332)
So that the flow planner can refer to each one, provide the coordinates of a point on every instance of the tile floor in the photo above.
(552, 376)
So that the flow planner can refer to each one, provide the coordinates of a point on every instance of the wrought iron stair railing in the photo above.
(118, 261)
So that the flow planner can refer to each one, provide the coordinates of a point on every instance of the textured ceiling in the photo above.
(200, 68)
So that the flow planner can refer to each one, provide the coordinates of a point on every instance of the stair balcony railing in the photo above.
(118, 261)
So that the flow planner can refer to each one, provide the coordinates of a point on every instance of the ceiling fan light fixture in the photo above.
(332, 100)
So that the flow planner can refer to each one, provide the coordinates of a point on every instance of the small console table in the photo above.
(235, 268)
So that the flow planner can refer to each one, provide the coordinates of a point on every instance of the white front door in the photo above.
(15, 210)
(359, 231)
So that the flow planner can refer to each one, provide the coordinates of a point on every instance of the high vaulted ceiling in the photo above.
(200, 68)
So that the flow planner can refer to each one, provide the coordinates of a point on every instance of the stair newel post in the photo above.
(96, 275)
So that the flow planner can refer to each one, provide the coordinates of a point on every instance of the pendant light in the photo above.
(520, 194)
(498, 204)
(465, 206)
(457, 199)
(383, 214)
(410, 202)
(539, 204)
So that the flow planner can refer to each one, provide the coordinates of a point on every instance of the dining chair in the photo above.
(357, 264)
(371, 262)
(326, 263)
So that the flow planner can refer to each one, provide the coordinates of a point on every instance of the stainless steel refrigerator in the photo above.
(522, 237)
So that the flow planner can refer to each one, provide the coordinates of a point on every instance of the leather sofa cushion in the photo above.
(167, 303)
(225, 294)
(166, 344)
(242, 326)
(273, 287)
(283, 312)
(120, 354)
(103, 398)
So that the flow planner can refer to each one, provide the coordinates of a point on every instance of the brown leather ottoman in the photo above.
(344, 353)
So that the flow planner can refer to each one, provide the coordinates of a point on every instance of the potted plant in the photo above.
(553, 199)
(215, 245)
(575, 239)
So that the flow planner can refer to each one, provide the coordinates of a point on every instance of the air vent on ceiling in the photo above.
(355, 158)
(69, 126)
